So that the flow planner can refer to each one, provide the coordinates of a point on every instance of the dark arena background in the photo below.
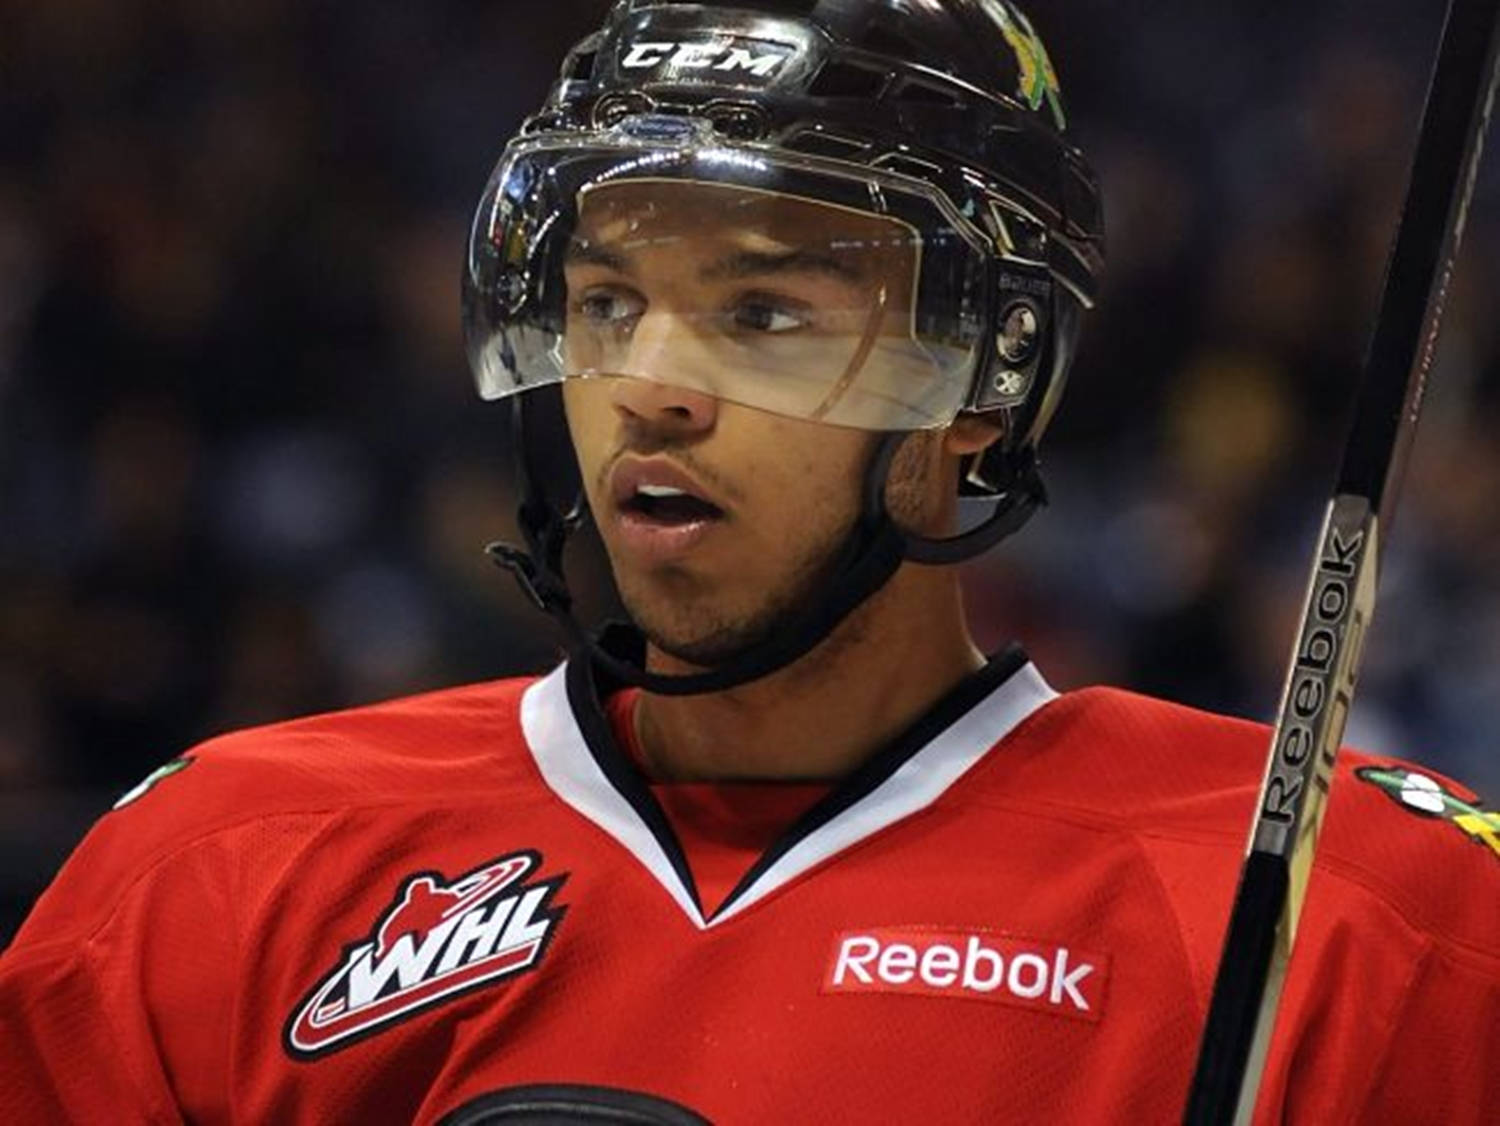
(244, 475)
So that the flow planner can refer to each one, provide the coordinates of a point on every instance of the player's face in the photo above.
(720, 518)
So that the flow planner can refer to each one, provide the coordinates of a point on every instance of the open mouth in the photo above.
(661, 504)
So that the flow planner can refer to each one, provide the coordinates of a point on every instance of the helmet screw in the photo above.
(510, 288)
(1010, 384)
(1018, 335)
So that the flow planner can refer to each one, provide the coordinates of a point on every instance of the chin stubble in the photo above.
(707, 637)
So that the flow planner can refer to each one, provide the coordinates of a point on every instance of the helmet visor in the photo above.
(800, 290)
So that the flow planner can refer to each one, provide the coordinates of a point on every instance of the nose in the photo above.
(658, 385)
(664, 404)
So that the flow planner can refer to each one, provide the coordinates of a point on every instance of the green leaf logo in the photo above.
(1417, 793)
(1038, 77)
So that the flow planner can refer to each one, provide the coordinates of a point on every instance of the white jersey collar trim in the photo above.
(569, 768)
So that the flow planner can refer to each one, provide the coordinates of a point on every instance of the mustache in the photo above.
(680, 454)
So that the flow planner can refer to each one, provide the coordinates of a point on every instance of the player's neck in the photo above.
(821, 717)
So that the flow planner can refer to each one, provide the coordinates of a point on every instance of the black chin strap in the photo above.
(873, 552)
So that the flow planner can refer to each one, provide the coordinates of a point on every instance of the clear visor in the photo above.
(746, 286)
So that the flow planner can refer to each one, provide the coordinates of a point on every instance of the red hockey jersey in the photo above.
(440, 909)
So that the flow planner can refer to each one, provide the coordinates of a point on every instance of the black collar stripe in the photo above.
(952, 709)
(573, 773)
(585, 703)
(577, 756)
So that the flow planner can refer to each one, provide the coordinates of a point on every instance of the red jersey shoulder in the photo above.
(1132, 760)
(303, 773)
(438, 743)
(1422, 843)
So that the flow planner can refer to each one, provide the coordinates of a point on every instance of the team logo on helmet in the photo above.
(1038, 78)
(1417, 793)
(438, 940)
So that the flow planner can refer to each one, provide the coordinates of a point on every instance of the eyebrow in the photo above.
(736, 266)
(589, 253)
(755, 263)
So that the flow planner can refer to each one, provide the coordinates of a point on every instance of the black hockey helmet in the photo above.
(931, 134)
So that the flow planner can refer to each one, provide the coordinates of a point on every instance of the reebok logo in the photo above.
(979, 966)
(745, 56)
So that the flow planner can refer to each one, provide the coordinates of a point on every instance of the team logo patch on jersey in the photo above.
(976, 965)
(439, 939)
(1417, 793)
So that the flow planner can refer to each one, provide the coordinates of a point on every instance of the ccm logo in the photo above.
(758, 60)
(981, 967)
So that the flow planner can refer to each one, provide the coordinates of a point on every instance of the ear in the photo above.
(973, 433)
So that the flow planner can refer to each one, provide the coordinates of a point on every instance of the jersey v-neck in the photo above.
(723, 827)
(576, 751)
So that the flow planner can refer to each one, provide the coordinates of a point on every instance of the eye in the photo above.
(761, 313)
(610, 307)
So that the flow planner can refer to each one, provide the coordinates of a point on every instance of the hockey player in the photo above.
(801, 273)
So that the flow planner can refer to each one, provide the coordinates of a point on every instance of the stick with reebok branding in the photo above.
(1340, 598)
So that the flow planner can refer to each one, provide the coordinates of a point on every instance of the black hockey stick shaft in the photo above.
(1340, 597)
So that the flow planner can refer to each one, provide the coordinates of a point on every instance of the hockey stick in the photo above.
(1340, 597)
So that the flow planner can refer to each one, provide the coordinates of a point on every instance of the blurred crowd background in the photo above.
(244, 476)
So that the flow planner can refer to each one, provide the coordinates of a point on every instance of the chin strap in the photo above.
(871, 555)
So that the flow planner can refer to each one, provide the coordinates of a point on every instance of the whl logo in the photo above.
(438, 940)
(980, 966)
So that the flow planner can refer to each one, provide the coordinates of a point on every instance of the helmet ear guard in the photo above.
(1032, 344)
(1022, 378)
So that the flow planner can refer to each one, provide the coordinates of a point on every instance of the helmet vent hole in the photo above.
(581, 66)
(612, 109)
(928, 95)
(908, 165)
(819, 143)
(847, 80)
(1081, 204)
(738, 121)
(883, 41)
(790, 7)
